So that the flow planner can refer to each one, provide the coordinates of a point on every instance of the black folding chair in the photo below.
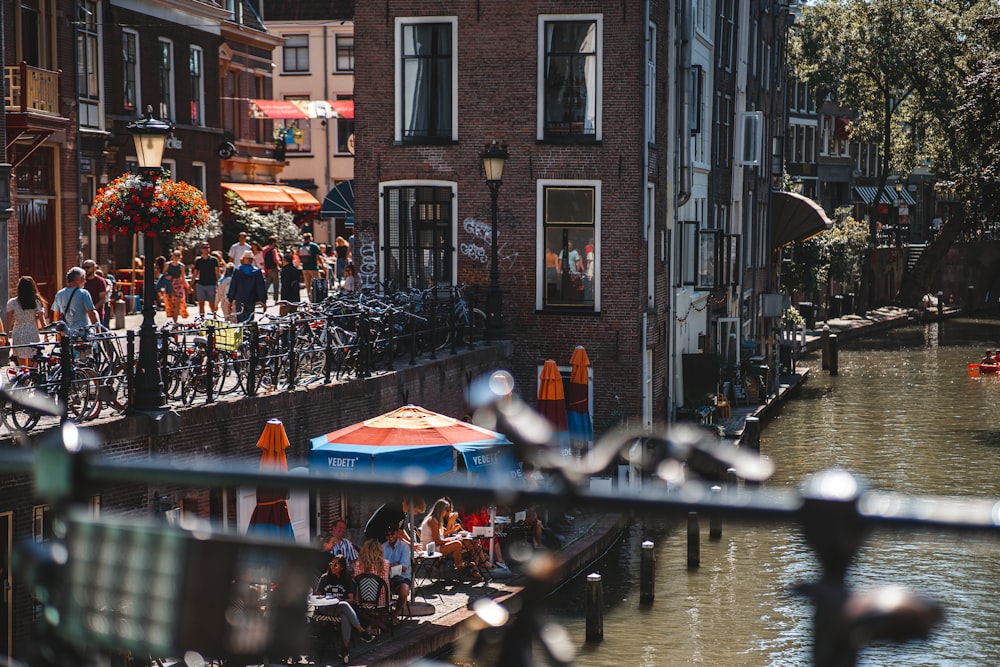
(374, 601)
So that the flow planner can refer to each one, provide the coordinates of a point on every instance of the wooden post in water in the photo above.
(647, 573)
(825, 338)
(694, 541)
(595, 608)
(834, 363)
(751, 434)
(715, 518)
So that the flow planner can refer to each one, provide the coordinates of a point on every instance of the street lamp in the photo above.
(150, 136)
(493, 158)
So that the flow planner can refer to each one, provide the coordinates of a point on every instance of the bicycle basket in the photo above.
(228, 336)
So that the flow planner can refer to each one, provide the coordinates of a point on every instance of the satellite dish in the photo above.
(226, 150)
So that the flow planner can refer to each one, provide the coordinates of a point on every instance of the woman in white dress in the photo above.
(25, 316)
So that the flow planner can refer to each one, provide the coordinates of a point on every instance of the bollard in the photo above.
(120, 313)
(833, 355)
(647, 573)
(751, 434)
(715, 518)
(825, 339)
(694, 541)
(595, 608)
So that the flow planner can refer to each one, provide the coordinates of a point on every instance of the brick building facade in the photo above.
(564, 85)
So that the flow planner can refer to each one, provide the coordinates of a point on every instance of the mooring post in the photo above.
(834, 362)
(825, 343)
(694, 541)
(715, 518)
(647, 573)
(751, 434)
(595, 608)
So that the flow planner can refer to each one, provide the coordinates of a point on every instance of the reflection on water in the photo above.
(903, 414)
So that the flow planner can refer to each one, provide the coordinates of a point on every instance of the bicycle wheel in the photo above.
(85, 378)
(83, 393)
(21, 418)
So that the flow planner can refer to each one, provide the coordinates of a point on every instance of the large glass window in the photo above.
(569, 263)
(166, 79)
(345, 132)
(130, 58)
(196, 62)
(418, 236)
(88, 65)
(345, 53)
(426, 81)
(295, 54)
(570, 78)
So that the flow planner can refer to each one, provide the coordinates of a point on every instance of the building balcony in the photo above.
(32, 106)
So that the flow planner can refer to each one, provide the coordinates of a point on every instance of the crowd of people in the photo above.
(390, 548)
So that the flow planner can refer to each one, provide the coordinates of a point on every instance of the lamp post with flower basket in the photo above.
(152, 204)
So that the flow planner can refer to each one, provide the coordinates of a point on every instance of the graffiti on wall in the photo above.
(478, 249)
(366, 260)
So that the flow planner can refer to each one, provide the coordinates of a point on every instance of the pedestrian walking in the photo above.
(247, 288)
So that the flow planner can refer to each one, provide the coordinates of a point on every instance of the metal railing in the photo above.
(834, 510)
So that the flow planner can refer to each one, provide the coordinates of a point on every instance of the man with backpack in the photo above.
(272, 266)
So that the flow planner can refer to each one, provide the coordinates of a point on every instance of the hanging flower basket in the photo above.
(132, 203)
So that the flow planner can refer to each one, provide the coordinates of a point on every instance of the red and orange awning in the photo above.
(268, 197)
(301, 109)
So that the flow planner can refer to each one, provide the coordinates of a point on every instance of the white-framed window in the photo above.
(196, 66)
(198, 176)
(570, 74)
(295, 54)
(166, 79)
(344, 50)
(345, 132)
(426, 79)
(295, 134)
(702, 17)
(41, 523)
(130, 71)
(651, 84)
(568, 245)
(726, 47)
(89, 69)
(751, 129)
(417, 233)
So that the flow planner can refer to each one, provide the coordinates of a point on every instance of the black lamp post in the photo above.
(150, 136)
(493, 159)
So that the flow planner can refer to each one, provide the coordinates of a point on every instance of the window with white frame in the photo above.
(198, 178)
(295, 54)
(569, 77)
(702, 16)
(166, 79)
(569, 248)
(426, 79)
(651, 84)
(751, 136)
(725, 45)
(344, 49)
(418, 234)
(345, 131)
(88, 64)
(130, 73)
(196, 65)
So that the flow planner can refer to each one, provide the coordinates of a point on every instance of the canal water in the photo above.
(905, 416)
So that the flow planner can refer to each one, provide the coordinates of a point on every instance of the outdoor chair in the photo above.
(374, 600)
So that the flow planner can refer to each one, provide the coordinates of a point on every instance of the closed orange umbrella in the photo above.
(552, 402)
(270, 515)
(581, 428)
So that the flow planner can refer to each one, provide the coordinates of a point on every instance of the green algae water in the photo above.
(905, 416)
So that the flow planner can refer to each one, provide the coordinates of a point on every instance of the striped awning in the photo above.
(867, 194)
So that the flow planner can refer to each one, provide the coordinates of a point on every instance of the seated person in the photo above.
(533, 527)
(453, 523)
(482, 518)
(397, 552)
(337, 582)
(988, 359)
(371, 560)
(431, 531)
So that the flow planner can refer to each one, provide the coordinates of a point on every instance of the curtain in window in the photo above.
(571, 77)
(427, 80)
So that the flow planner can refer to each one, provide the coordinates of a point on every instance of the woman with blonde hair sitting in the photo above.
(431, 530)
